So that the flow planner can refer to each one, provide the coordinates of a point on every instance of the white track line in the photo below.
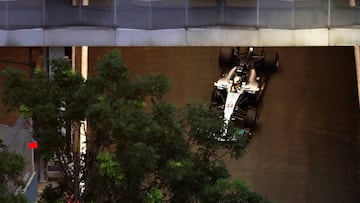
(357, 58)
(352, 3)
(357, 63)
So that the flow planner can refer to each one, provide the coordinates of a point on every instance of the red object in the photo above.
(33, 145)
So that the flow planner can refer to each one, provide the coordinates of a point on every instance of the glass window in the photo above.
(25, 14)
(98, 13)
(133, 14)
(241, 13)
(342, 14)
(3, 15)
(276, 14)
(205, 13)
(167, 14)
(311, 14)
(61, 13)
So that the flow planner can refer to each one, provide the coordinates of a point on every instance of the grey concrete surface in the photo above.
(305, 149)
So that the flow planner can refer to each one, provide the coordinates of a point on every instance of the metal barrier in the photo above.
(170, 14)
(16, 139)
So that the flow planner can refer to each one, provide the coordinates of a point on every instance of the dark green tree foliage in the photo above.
(55, 105)
(11, 167)
(139, 149)
(230, 191)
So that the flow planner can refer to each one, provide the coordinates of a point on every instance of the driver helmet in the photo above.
(237, 79)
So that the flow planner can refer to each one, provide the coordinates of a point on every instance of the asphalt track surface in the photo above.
(306, 148)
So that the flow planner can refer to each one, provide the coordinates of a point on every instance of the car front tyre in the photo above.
(226, 58)
(271, 61)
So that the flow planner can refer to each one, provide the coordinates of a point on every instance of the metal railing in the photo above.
(169, 14)
(16, 139)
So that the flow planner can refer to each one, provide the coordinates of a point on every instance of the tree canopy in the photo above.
(139, 148)
(11, 167)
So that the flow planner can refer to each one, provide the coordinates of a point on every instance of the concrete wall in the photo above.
(216, 36)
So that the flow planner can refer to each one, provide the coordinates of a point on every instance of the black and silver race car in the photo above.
(239, 89)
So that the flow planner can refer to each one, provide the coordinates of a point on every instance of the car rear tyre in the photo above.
(271, 61)
(226, 57)
(250, 119)
(217, 98)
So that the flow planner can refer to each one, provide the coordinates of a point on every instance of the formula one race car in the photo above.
(239, 89)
